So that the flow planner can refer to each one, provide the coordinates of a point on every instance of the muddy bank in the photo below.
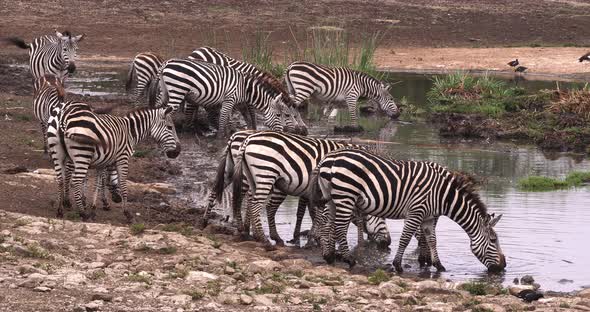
(74, 266)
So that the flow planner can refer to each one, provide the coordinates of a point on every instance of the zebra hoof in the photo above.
(60, 214)
(279, 242)
(116, 198)
(398, 266)
(67, 204)
(84, 216)
(351, 262)
(128, 216)
(106, 207)
(294, 241)
(439, 267)
(330, 258)
(269, 247)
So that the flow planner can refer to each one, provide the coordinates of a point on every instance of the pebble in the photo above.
(527, 280)
(42, 289)
(245, 299)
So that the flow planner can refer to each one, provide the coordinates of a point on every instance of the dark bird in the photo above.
(520, 69)
(513, 63)
(585, 57)
(530, 295)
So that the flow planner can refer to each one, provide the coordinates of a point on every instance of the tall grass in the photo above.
(330, 46)
(540, 184)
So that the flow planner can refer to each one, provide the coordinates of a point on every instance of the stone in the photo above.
(389, 289)
(178, 299)
(42, 289)
(426, 284)
(490, 307)
(94, 305)
(342, 308)
(229, 270)
(96, 265)
(527, 280)
(295, 300)
(74, 279)
(263, 300)
(584, 293)
(245, 299)
(212, 306)
(102, 296)
(200, 277)
(516, 289)
(262, 266)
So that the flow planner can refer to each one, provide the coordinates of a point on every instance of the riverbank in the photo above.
(57, 265)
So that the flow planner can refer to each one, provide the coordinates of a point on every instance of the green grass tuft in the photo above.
(540, 184)
(475, 288)
(137, 228)
(378, 277)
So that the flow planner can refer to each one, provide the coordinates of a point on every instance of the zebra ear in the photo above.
(386, 86)
(494, 220)
(79, 38)
(168, 110)
(57, 33)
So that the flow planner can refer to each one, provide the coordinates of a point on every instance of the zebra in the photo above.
(216, 86)
(51, 54)
(143, 70)
(275, 165)
(305, 80)
(49, 94)
(77, 134)
(417, 191)
(375, 227)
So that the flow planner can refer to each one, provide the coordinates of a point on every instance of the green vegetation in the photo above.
(481, 309)
(462, 93)
(168, 250)
(325, 45)
(213, 288)
(539, 184)
(378, 277)
(139, 278)
(195, 294)
(36, 251)
(270, 287)
(475, 288)
(140, 153)
(181, 228)
(137, 228)
(73, 215)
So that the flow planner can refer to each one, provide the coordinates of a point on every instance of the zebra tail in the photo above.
(290, 88)
(18, 42)
(131, 76)
(219, 182)
(154, 88)
(313, 191)
(239, 172)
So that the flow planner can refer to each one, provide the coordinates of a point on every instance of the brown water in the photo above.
(542, 234)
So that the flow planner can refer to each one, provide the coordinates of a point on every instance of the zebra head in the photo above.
(69, 48)
(487, 246)
(385, 101)
(280, 117)
(164, 132)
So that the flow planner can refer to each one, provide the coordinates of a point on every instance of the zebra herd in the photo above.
(337, 182)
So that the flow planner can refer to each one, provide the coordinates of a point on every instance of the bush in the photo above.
(475, 288)
(378, 277)
(137, 228)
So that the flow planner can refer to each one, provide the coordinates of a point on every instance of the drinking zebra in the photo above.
(306, 80)
(143, 70)
(223, 88)
(416, 191)
(374, 227)
(86, 139)
(276, 165)
(51, 54)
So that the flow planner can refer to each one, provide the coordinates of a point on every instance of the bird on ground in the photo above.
(513, 63)
(520, 69)
(585, 57)
(530, 295)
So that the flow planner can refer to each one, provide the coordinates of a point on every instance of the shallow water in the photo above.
(542, 234)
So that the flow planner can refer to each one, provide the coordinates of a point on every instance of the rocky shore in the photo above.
(57, 265)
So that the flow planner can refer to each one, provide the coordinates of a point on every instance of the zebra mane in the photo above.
(272, 84)
(367, 76)
(467, 185)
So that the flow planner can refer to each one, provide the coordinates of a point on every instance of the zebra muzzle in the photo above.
(175, 152)
(71, 68)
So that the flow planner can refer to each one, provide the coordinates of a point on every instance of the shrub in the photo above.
(378, 277)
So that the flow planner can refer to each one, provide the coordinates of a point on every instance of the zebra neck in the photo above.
(139, 124)
(467, 217)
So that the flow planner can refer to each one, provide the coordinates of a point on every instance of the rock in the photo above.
(103, 297)
(536, 286)
(79, 309)
(426, 284)
(200, 277)
(94, 305)
(516, 289)
(584, 293)
(389, 289)
(228, 298)
(296, 264)
(74, 279)
(96, 265)
(177, 299)
(565, 281)
(262, 266)
(490, 307)
(229, 270)
(33, 280)
(263, 300)
(42, 289)
(295, 300)
(342, 308)
(212, 306)
(245, 299)
(527, 280)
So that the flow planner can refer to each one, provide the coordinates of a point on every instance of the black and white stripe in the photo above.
(418, 192)
(51, 54)
(77, 135)
(276, 165)
(305, 80)
(143, 70)
(211, 85)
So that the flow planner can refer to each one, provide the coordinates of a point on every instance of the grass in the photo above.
(35, 251)
(475, 288)
(213, 288)
(168, 250)
(137, 228)
(137, 278)
(378, 277)
(270, 288)
(23, 117)
(72, 215)
(481, 309)
(195, 294)
(96, 275)
(260, 53)
(540, 184)
(462, 93)
(141, 153)
(181, 228)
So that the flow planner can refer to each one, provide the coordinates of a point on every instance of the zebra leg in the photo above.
(301, 206)
(44, 133)
(351, 103)
(227, 107)
(411, 225)
(424, 257)
(79, 177)
(60, 167)
(341, 223)
(258, 200)
(68, 170)
(276, 199)
(122, 170)
(212, 117)
(360, 225)
(98, 190)
(429, 231)
(113, 185)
